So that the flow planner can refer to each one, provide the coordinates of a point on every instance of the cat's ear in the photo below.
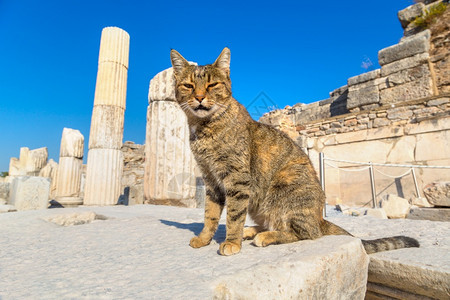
(178, 61)
(223, 61)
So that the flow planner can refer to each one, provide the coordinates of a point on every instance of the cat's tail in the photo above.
(372, 246)
(389, 243)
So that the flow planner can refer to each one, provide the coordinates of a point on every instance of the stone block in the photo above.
(409, 91)
(430, 214)
(325, 268)
(414, 74)
(364, 77)
(376, 213)
(362, 96)
(29, 192)
(400, 113)
(421, 202)
(404, 64)
(395, 207)
(437, 102)
(438, 193)
(428, 126)
(413, 271)
(408, 14)
(4, 208)
(413, 45)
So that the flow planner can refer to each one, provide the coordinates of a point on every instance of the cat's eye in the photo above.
(212, 85)
(188, 85)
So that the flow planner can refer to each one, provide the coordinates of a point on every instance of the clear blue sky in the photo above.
(293, 51)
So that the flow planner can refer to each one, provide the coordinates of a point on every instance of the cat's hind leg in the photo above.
(251, 232)
(267, 238)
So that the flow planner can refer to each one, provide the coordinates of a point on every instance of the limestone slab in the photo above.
(421, 88)
(431, 214)
(418, 276)
(414, 45)
(404, 64)
(433, 146)
(364, 77)
(327, 268)
(428, 126)
(29, 192)
(363, 96)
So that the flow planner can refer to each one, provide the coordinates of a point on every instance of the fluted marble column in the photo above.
(68, 177)
(105, 160)
(170, 169)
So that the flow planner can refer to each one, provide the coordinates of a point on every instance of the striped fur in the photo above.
(251, 168)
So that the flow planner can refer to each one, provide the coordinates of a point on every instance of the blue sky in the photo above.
(293, 51)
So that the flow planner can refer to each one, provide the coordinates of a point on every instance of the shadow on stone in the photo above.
(55, 204)
(196, 228)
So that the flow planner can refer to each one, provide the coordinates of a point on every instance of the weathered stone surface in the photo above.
(4, 191)
(412, 90)
(376, 213)
(72, 143)
(322, 269)
(162, 87)
(133, 173)
(401, 113)
(75, 218)
(408, 14)
(437, 102)
(29, 192)
(428, 126)
(412, 74)
(364, 77)
(106, 127)
(411, 46)
(358, 97)
(432, 146)
(421, 202)
(29, 163)
(438, 193)
(404, 64)
(4, 208)
(104, 176)
(395, 207)
(431, 214)
(50, 171)
(418, 276)
(170, 166)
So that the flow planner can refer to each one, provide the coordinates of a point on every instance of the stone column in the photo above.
(68, 178)
(105, 160)
(170, 169)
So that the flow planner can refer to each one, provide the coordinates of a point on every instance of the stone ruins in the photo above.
(398, 114)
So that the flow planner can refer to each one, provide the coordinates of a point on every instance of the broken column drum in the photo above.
(170, 168)
(105, 160)
(68, 178)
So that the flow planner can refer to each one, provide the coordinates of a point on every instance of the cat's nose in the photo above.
(200, 97)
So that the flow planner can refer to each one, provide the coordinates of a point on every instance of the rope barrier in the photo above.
(347, 170)
(392, 176)
(386, 165)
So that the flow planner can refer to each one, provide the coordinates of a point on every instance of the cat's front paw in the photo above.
(197, 242)
(229, 248)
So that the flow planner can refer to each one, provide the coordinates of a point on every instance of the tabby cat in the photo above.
(251, 167)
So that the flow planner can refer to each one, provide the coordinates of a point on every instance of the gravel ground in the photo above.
(142, 252)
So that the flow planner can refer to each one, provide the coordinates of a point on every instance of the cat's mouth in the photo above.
(201, 107)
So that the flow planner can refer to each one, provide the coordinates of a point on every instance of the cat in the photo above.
(251, 167)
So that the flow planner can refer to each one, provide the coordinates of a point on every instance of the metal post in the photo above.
(372, 184)
(415, 182)
(322, 180)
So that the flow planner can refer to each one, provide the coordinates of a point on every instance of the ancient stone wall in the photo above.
(133, 173)
(397, 114)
